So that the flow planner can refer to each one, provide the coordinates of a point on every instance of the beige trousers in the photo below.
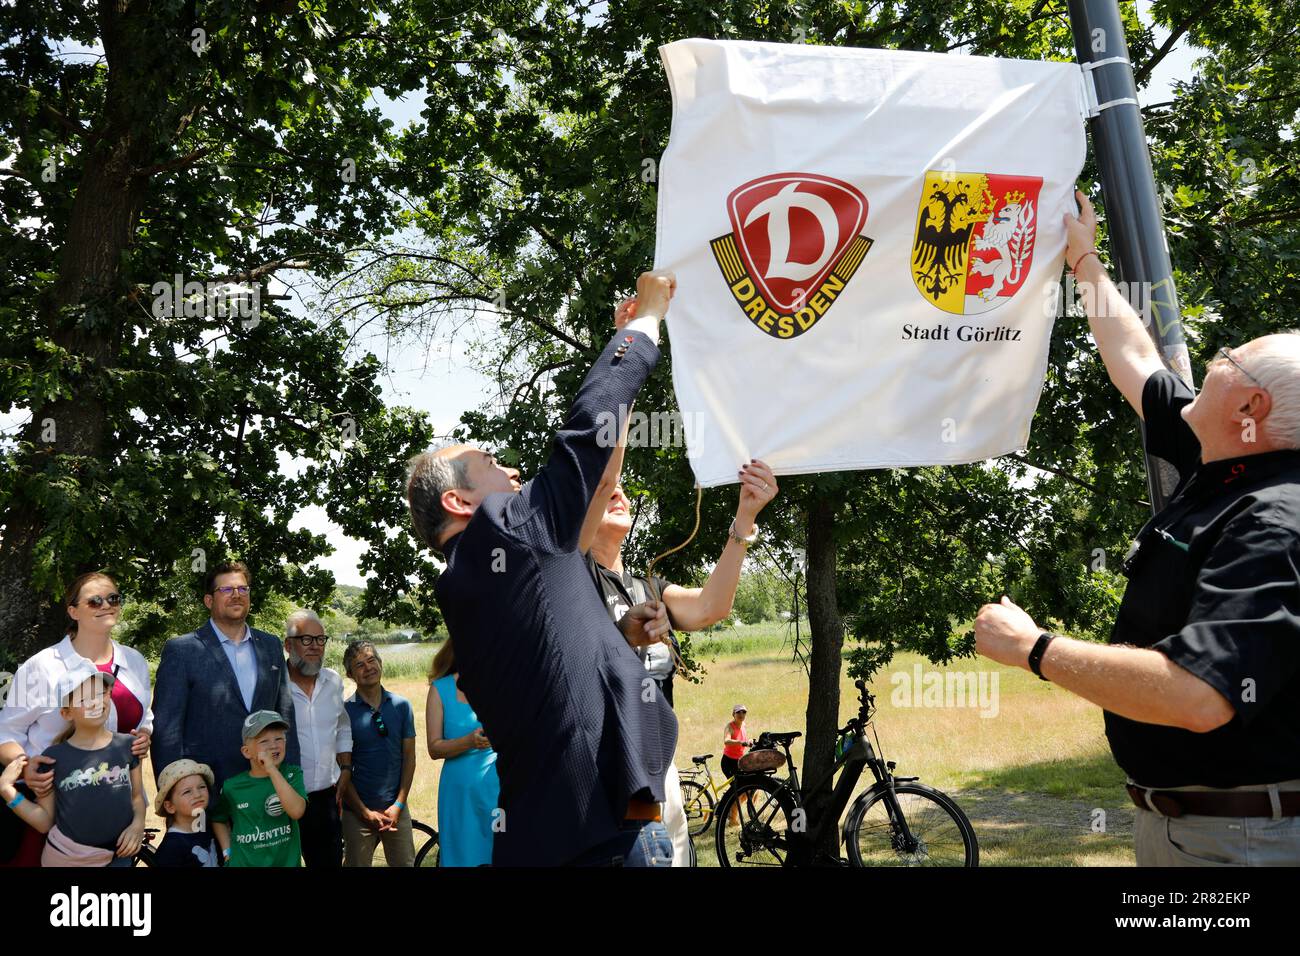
(360, 840)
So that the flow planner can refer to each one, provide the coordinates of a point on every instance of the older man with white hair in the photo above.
(324, 735)
(1200, 682)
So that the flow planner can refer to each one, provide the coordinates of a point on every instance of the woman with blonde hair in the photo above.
(468, 788)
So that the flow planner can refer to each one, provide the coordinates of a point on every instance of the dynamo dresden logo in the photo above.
(974, 239)
(795, 243)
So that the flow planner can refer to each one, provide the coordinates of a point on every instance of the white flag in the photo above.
(868, 246)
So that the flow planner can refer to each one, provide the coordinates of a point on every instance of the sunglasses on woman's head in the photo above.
(97, 601)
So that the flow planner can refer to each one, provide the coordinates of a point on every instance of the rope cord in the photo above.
(678, 664)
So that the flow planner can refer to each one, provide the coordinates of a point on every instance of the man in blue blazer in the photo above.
(582, 741)
(211, 679)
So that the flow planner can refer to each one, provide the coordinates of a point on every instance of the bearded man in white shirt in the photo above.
(324, 736)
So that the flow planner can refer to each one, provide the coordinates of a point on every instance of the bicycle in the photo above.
(897, 821)
(699, 799)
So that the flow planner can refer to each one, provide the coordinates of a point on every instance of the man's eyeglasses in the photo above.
(228, 589)
(310, 639)
(97, 601)
(1223, 353)
(380, 726)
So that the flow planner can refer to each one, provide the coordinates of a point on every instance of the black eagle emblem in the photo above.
(939, 254)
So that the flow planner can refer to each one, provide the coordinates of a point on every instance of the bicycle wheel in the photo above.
(697, 802)
(763, 828)
(940, 834)
(427, 855)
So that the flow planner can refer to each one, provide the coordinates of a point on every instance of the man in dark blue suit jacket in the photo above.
(211, 679)
(582, 741)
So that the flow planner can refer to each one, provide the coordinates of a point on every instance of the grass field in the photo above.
(1035, 775)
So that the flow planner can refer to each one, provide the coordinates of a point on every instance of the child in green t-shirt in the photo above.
(256, 819)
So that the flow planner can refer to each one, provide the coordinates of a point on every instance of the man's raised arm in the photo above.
(1126, 349)
(564, 487)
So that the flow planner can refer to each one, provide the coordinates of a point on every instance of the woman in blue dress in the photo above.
(468, 788)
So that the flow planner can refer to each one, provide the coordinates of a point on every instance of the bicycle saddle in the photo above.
(784, 738)
(701, 758)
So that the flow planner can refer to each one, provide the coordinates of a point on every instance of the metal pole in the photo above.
(1137, 236)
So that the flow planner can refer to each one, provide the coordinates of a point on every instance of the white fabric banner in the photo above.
(868, 246)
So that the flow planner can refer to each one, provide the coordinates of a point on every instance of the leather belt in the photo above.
(643, 810)
(1209, 803)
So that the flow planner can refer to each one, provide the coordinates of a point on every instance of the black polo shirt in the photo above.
(1214, 584)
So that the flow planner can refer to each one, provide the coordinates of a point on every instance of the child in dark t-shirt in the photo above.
(94, 815)
(184, 791)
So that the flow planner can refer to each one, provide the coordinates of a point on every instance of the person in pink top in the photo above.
(734, 741)
(734, 744)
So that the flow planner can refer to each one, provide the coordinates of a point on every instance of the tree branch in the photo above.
(265, 268)
(1140, 75)
(70, 125)
(180, 162)
(528, 386)
(1070, 478)
(1281, 215)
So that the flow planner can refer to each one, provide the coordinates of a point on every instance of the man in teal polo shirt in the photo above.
(383, 764)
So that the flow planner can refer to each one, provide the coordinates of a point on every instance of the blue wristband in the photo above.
(399, 804)
(18, 798)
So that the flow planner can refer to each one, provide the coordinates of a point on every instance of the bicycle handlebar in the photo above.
(867, 705)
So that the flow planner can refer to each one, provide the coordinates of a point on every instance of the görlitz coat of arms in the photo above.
(974, 239)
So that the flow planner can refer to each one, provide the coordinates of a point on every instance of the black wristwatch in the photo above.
(1036, 655)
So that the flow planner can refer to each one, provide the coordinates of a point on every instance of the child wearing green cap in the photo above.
(256, 819)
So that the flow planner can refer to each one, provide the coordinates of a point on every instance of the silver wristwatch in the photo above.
(731, 533)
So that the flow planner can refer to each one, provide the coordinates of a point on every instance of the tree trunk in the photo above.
(83, 315)
(824, 662)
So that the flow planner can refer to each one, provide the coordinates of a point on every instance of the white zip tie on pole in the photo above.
(1093, 64)
(1090, 86)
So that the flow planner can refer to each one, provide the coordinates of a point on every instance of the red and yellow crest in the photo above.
(974, 239)
(795, 243)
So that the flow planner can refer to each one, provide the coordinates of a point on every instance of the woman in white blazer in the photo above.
(30, 719)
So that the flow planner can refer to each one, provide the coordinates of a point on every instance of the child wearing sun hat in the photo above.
(184, 792)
